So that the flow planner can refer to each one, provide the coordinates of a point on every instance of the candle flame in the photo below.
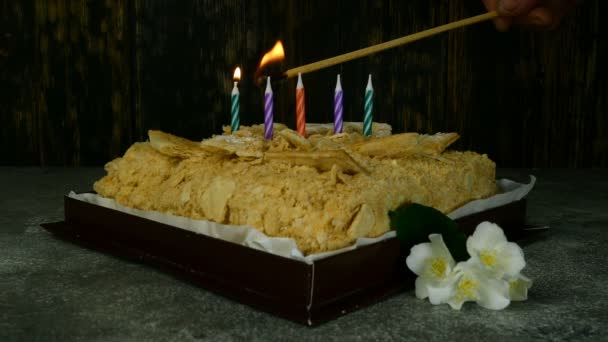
(237, 74)
(277, 54)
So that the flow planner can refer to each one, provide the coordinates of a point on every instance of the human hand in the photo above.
(539, 14)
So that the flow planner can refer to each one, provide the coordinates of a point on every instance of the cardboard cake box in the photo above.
(306, 293)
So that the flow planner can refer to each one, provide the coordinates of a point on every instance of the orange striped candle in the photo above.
(300, 107)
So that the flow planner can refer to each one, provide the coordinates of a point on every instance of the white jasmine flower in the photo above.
(434, 265)
(477, 285)
(489, 247)
(518, 287)
(491, 277)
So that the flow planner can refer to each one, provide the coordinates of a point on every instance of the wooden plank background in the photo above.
(82, 80)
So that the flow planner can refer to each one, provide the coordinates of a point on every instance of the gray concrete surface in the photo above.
(54, 290)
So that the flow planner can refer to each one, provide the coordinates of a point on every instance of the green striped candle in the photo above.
(368, 108)
(235, 103)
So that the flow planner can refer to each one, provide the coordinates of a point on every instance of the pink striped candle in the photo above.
(268, 110)
(300, 107)
(338, 101)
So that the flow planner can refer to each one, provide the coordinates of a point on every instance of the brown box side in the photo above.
(309, 294)
(274, 279)
(371, 266)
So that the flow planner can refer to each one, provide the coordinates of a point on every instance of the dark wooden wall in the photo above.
(82, 80)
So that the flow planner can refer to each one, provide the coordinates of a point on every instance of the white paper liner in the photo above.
(286, 247)
(511, 192)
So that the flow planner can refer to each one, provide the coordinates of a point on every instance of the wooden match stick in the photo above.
(387, 45)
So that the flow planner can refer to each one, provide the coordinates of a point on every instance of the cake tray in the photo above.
(305, 293)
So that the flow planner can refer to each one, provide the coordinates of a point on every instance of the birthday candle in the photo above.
(268, 109)
(300, 107)
(368, 108)
(338, 101)
(234, 118)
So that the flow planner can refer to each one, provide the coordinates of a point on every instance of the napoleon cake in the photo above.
(324, 190)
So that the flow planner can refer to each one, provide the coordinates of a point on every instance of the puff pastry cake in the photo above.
(323, 190)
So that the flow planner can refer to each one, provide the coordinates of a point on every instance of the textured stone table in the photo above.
(54, 290)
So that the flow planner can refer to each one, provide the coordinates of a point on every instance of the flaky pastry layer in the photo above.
(325, 191)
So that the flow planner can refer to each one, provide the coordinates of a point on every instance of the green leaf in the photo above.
(414, 223)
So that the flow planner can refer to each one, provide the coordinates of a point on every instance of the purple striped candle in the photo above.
(338, 101)
(268, 108)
